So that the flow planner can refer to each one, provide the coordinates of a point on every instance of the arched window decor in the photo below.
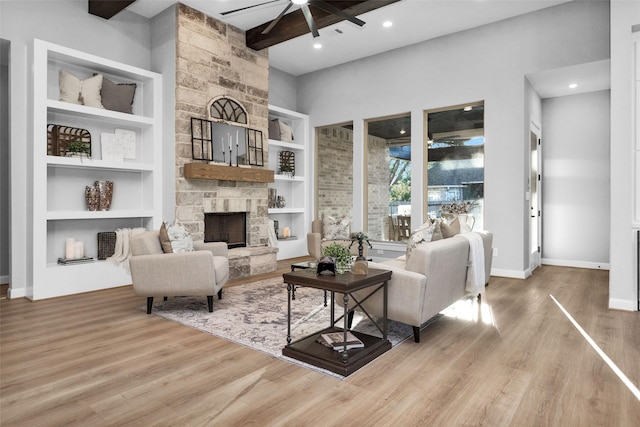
(228, 109)
(225, 136)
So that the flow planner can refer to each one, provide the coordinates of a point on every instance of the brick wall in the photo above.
(378, 183)
(213, 60)
(335, 171)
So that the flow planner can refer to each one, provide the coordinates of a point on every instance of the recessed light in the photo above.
(469, 108)
(317, 45)
(573, 85)
(387, 24)
(299, 1)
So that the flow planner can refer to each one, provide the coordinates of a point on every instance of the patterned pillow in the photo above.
(174, 237)
(84, 92)
(424, 233)
(336, 228)
(451, 229)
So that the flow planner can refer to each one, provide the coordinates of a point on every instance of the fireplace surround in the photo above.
(228, 227)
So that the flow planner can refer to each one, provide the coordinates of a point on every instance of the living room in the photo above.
(505, 53)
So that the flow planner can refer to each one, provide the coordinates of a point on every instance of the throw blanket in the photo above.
(475, 268)
(122, 250)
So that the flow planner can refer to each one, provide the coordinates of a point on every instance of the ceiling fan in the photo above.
(304, 7)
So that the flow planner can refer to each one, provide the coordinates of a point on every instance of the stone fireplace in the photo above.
(229, 227)
(213, 60)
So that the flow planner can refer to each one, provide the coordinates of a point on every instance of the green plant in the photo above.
(340, 253)
(78, 147)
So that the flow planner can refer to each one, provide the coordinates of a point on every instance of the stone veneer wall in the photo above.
(213, 60)
(378, 184)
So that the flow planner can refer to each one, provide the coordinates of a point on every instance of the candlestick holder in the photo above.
(230, 157)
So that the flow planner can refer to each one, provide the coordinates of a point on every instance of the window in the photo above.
(388, 178)
(455, 154)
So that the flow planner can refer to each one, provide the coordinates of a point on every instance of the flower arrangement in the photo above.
(458, 207)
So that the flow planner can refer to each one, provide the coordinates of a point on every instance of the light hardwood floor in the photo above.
(97, 359)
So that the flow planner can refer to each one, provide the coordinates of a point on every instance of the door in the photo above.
(535, 197)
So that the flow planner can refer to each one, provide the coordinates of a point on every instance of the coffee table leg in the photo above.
(325, 298)
(345, 300)
(289, 289)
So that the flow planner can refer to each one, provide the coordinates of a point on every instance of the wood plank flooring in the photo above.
(97, 359)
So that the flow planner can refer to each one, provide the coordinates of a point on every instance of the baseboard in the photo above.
(623, 304)
(16, 293)
(576, 264)
(513, 274)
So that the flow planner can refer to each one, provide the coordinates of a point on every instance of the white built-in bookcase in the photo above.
(57, 186)
(295, 190)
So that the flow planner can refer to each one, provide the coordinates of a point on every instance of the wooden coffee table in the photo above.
(309, 350)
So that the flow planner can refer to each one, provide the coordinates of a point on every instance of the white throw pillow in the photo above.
(179, 238)
(336, 228)
(423, 233)
(83, 92)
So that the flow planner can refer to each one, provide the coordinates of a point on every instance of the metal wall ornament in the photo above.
(216, 141)
(288, 163)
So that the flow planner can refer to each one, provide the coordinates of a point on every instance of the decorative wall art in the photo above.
(225, 143)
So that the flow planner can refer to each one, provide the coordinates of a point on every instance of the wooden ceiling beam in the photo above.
(107, 9)
(293, 24)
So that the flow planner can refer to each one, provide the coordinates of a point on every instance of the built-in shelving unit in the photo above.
(295, 189)
(58, 209)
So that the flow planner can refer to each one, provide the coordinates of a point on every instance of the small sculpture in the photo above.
(326, 265)
(360, 266)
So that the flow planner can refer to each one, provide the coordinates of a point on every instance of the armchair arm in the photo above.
(216, 248)
(182, 273)
(314, 247)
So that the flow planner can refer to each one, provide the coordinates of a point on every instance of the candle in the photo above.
(229, 135)
(70, 248)
(286, 232)
(79, 250)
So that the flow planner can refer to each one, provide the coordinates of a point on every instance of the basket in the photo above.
(106, 244)
(59, 137)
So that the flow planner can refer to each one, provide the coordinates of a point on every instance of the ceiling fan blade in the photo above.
(247, 7)
(275, 21)
(310, 22)
(332, 9)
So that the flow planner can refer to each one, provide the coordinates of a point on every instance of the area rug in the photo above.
(255, 315)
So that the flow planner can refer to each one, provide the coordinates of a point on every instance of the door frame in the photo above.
(535, 256)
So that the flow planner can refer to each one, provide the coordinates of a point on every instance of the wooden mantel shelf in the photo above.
(226, 173)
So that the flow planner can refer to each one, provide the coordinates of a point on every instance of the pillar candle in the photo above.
(79, 250)
(286, 232)
(70, 248)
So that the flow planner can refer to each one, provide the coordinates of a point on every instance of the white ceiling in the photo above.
(413, 21)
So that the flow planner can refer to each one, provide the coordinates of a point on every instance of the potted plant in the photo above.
(78, 148)
(340, 254)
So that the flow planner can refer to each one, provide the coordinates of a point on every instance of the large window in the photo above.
(388, 150)
(455, 159)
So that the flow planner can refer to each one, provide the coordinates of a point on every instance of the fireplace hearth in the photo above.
(228, 227)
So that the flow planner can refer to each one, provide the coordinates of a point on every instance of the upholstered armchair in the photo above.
(320, 237)
(203, 271)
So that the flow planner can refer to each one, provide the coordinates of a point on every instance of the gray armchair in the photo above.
(154, 273)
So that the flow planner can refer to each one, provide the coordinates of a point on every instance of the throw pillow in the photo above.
(437, 231)
(280, 131)
(118, 97)
(422, 234)
(335, 228)
(451, 229)
(174, 237)
(83, 92)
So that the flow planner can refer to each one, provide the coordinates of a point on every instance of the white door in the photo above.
(535, 198)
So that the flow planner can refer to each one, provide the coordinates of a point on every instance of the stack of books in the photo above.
(335, 340)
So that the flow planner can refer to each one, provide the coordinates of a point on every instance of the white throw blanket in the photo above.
(273, 239)
(475, 268)
(122, 250)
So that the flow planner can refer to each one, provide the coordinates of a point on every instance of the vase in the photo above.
(105, 190)
(92, 198)
(280, 202)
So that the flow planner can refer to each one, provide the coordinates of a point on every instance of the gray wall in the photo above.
(575, 150)
(4, 161)
(124, 38)
(282, 89)
(487, 63)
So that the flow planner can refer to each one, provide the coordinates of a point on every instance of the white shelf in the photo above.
(297, 188)
(66, 215)
(58, 183)
(88, 163)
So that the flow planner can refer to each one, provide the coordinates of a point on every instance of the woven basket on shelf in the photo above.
(106, 244)
(59, 137)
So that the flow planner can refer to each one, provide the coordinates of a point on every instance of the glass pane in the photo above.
(455, 174)
(389, 178)
(334, 165)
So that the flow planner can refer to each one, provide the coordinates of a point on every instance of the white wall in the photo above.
(124, 38)
(282, 89)
(622, 276)
(575, 150)
(487, 63)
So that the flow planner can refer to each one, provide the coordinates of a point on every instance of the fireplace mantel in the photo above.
(227, 173)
